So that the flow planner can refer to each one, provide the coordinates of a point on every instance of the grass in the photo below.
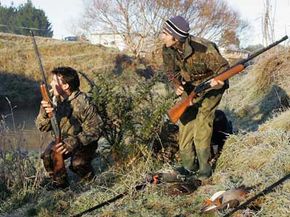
(280, 121)
(255, 95)
(264, 157)
(256, 103)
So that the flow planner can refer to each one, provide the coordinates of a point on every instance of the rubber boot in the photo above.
(205, 170)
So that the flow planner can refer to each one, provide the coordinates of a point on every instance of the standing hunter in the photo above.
(193, 60)
(79, 123)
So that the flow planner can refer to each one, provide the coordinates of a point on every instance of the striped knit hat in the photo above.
(178, 27)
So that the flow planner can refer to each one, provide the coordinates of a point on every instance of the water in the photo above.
(19, 129)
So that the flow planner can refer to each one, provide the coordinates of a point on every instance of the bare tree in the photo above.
(229, 38)
(268, 21)
(140, 21)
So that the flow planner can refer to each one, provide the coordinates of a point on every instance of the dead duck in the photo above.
(224, 200)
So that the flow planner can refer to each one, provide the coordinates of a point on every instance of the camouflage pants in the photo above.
(195, 131)
(80, 162)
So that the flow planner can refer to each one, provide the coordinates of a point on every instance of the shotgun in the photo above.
(58, 161)
(179, 108)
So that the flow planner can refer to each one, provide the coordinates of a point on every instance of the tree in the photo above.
(7, 16)
(229, 38)
(16, 20)
(139, 22)
(268, 27)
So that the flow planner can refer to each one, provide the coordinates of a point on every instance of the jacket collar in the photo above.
(73, 95)
(188, 49)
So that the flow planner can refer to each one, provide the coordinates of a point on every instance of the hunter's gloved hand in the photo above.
(216, 84)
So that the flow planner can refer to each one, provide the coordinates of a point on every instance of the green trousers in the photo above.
(195, 131)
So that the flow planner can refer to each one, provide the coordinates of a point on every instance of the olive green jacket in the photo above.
(199, 61)
(78, 120)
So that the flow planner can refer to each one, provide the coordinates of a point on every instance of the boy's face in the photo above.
(58, 87)
(167, 39)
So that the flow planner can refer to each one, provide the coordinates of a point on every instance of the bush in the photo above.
(133, 114)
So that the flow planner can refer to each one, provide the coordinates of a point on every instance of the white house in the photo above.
(108, 39)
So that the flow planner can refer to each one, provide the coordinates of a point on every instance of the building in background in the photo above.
(76, 38)
(108, 39)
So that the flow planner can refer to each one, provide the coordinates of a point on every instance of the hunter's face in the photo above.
(167, 39)
(57, 86)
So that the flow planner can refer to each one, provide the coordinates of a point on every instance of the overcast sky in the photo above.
(61, 13)
(252, 12)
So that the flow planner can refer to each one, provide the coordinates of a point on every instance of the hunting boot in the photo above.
(186, 172)
(205, 170)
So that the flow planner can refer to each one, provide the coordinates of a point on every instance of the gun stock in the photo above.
(59, 166)
(45, 95)
(178, 109)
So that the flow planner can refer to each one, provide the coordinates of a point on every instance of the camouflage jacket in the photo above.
(78, 120)
(200, 60)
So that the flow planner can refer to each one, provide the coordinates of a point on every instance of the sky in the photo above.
(252, 11)
(62, 13)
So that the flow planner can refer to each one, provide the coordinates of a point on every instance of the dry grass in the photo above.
(272, 68)
(281, 121)
(152, 201)
(263, 89)
(17, 55)
(261, 156)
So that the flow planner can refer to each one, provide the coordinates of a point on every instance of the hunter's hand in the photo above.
(47, 106)
(179, 90)
(216, 84)
(60, 148)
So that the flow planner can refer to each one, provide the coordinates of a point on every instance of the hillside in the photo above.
(264, 89)
(256, 155)
(19, 70)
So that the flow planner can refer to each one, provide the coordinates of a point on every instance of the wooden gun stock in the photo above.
(45, 95)
(59, 166)
(176, 111)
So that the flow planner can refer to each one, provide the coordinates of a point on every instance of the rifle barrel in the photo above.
(262, 50)
(39, 61)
